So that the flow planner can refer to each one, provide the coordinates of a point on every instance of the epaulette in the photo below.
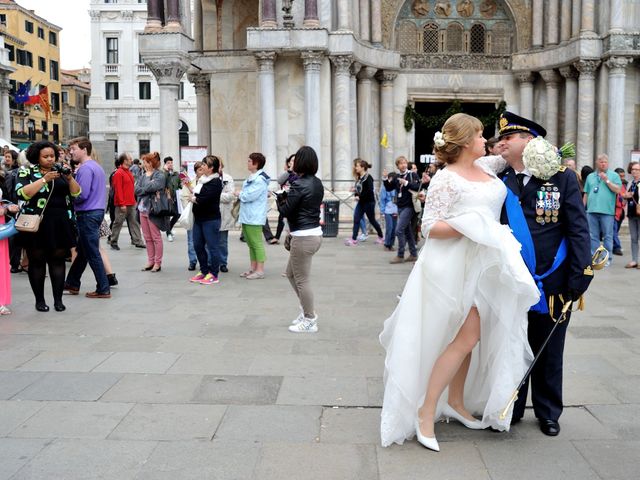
(265, 176)
(562, 168)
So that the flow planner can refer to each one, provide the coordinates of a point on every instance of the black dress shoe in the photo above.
(223, 268)
(115, 246)
(549, 427)
(16, 269)
(191, 267)
(42, 307)
(515, 420)
(59, 307)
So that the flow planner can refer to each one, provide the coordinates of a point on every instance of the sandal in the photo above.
(4, 310)
(255, 276)
(147, 268)
(631, 265)
(246, 274)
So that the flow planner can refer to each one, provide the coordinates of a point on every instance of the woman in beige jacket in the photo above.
(228, 222)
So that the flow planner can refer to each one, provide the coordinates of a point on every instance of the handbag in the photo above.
(186, 217)
(235, 209)
(7, 229)
(417, 205)
(161, 204)
(30, 223)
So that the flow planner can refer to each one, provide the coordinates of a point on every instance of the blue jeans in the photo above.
(616, 239)
(193, 259)
(390, 222)
(601, 227)
(89, 251)
(206, 241)
(405, 232)
(223, 248)
(362, 209)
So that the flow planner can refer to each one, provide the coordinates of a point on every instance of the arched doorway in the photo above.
(183, 134)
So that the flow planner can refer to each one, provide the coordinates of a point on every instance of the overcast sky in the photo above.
(73, 17)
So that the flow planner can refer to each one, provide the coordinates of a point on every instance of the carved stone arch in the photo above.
(518, 11)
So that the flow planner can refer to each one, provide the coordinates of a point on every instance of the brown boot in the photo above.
(412, 258)
(396, 259)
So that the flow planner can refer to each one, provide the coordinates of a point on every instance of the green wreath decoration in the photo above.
(436, 121)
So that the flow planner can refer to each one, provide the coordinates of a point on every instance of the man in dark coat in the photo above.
(553, 210)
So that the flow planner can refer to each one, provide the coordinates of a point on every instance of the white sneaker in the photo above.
(170, 237)
(307, 325)
(363, 237)
(299, 318)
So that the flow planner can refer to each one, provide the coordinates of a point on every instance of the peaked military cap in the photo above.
(512, 123)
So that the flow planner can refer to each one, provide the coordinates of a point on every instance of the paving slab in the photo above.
(320, 390)
(65, 361)
(12, 383)
(621, 419)
(138, 362)
(350, 426)
(169, 422)
(10, 359)
(69, 386)
(238, 390)
(147, 388)
(615, 459)
(73, 420)
(13, 414)
(15, 453)
(211, 364)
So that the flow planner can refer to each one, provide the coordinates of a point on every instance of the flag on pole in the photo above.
(22, 94)
(42, 99)
(384, 142)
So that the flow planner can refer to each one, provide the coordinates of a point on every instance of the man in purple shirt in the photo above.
(89, 208)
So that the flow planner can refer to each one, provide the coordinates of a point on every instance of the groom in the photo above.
(554, 215)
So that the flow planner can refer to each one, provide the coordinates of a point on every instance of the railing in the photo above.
(112, 69)
(142, 68)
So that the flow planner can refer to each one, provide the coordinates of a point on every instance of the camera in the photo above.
(61, 169)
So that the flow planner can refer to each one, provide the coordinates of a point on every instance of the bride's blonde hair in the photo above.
(458, 131)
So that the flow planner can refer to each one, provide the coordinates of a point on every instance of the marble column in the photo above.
(312, 62)
(587, 12)
(197, 26)
(565, 20)
(155, 14)
(570, 103)
(537, 16)
(341, 122)
(376, 22)
(576, 18)
(586, 110)
(5, 112)
(551, 80)
(615, 128)
(386, 116)
(311, 14)
(366, 142)
(616, 16)
(344, 15)
(268, 18)
(353, 104)
(202, 85)
(526, 93)
(173, 23)
(365, 21)
(266, 82)
(552, 16)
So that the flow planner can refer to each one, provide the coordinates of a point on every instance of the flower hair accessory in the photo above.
(541, 158)
(438, 139)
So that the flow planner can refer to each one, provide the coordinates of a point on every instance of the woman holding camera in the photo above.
(301, 208)
(47, 188)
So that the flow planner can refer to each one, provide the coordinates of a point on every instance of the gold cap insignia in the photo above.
(503, 122)
(588, 271)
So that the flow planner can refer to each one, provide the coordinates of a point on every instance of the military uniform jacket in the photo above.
(564, 204)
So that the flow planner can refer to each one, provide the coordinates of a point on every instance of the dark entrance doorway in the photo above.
(424, 133)
(183, 134)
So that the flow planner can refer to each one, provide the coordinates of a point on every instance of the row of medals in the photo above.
(547, 204)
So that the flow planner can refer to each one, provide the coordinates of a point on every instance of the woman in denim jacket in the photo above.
(389, 209)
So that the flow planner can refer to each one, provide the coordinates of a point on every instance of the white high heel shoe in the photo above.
(429, 442)
(449, 412)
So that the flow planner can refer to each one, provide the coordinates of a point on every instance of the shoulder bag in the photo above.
(30, 223)
(8, 229)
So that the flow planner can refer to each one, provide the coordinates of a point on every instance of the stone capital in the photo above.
(568, 72)
(201, 83)
(367, 73)
(266, 61)
(312, 60)
(617, 65)
(355, 68)
(386, 77)
(95, 15)
(587, 68)
(524, 77)
(550, 77)
(342, 63)
(167, 70)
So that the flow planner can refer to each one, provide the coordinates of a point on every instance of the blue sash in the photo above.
(520, 228)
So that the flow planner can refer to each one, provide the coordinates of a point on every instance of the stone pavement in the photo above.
(169, 380)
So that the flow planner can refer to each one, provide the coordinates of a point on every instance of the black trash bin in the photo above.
(331, 218)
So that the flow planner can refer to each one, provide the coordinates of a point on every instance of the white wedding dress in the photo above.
(483, 268)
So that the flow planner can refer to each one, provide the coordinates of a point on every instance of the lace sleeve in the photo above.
(493, 163)
(441, 196)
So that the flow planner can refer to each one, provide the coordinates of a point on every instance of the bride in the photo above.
(461, 324)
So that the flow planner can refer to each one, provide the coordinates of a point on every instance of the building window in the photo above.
(110, 1)
(407, 37)
(455, 34)
(42, 64)
(56, 132)
(111, 90)
(41, 33)
(144, 146)
(477, 40)
(501, 39)
(144, 89)
(31, 125)
(55, 102)
(112, 50)
(12, 52)
(430, 38)
(24, 57)
(45, 130)
(65, 98)
(53, 38)
(181, 91)
(28, 26)
(53, 67)
(3, 18)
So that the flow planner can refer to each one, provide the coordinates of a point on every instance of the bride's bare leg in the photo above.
(446, 367)
(456, 388)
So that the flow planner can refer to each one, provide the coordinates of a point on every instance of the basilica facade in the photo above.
(362, 78)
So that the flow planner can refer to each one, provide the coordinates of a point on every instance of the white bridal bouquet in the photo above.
(542, 159)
